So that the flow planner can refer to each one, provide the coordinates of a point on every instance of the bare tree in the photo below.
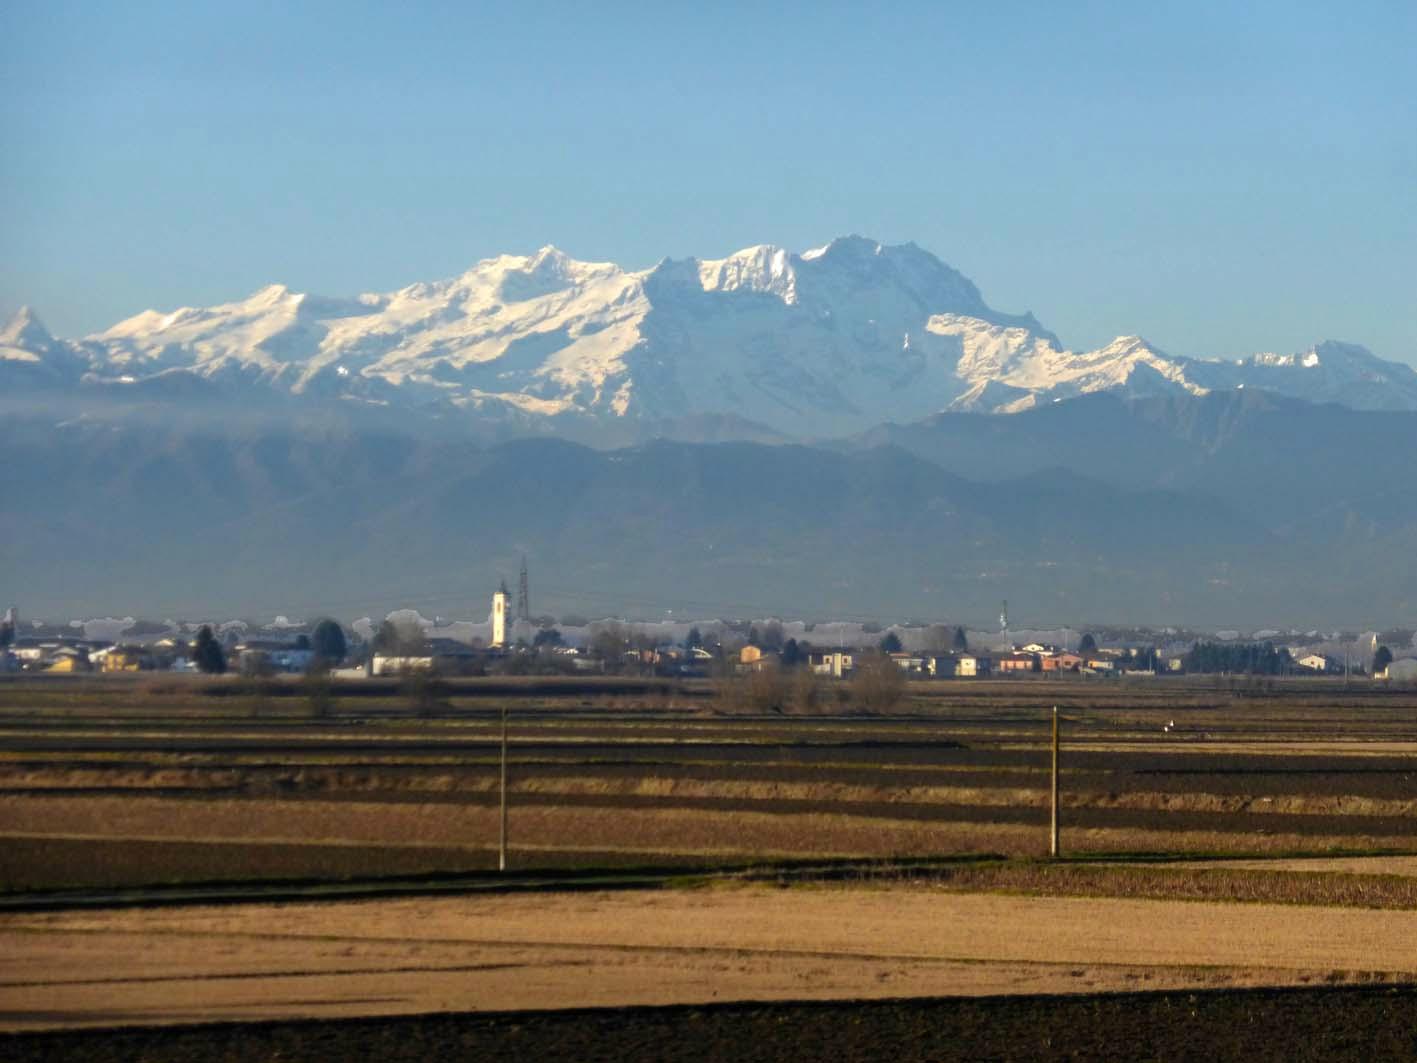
(878, 684)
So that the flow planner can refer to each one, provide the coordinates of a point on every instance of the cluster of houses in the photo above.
(292, 653)
(1026, 659)
(63, 654)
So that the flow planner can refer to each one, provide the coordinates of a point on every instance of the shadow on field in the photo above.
(1377, 1022)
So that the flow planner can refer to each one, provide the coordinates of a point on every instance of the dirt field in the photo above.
(1256, 1026)
(113, 783)
(1176, 789)
(538, 951)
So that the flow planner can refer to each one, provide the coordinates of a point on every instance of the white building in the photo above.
(834, 663)
(1403, 671)
(499, 619)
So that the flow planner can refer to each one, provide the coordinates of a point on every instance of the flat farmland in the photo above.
(529, 951)
(688, 878)
(121, 784)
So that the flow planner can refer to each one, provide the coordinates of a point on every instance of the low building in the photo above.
(1015, 663)
(1062, 662)
(127, 659)
(1400, 671)
(835, 663)
(265, 656)
(442, 655)
(401, 664)
(753, 659)
(909, 663)
(958, 665)
(68, 659)
(1314, 662)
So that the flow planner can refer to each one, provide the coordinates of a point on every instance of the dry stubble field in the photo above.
(105, 787)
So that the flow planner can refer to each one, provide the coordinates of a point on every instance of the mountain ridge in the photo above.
(819, 344)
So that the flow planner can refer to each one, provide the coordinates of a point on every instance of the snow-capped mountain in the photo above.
(826, 342)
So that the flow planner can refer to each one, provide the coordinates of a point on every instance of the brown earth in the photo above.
(537, 951)
(105, 790)
(1303, 1025)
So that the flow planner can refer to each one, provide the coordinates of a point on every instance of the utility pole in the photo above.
(1053, 832)
(502, 836)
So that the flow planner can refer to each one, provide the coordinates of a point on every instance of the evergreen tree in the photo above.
(1381, 659)
(386, 639)
(961, 641)
(694, 639)
(328, 642)
(891, 643)
(1088, 644)
(771, 636)
(207, 653)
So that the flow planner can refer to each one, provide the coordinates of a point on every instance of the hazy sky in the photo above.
(1219, 178)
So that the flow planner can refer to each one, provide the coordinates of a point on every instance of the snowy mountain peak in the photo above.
(764, 268)
(830, 341)
(24, 329)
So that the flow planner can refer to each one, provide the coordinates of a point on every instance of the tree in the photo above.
(772, 636)
(386, 639)
(546, 638)
(393, 640)
(763, 690)
(694, 639)
(753, 636)
(609, 643)
(792, 654)
(425, 691)
(961, 642)
(328, 642)
(877, 684)
(1088, 644)
(318, 692)
(1381, 659)
(207, 653)
(891, 643)
(936, 639)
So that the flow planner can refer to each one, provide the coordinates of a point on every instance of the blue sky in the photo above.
(1218, 178)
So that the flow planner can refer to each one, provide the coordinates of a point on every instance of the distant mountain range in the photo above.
(821, 434)
(764, 344)
(1237, 508)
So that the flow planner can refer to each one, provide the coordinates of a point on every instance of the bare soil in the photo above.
(1258, 1026)
(538, 951)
